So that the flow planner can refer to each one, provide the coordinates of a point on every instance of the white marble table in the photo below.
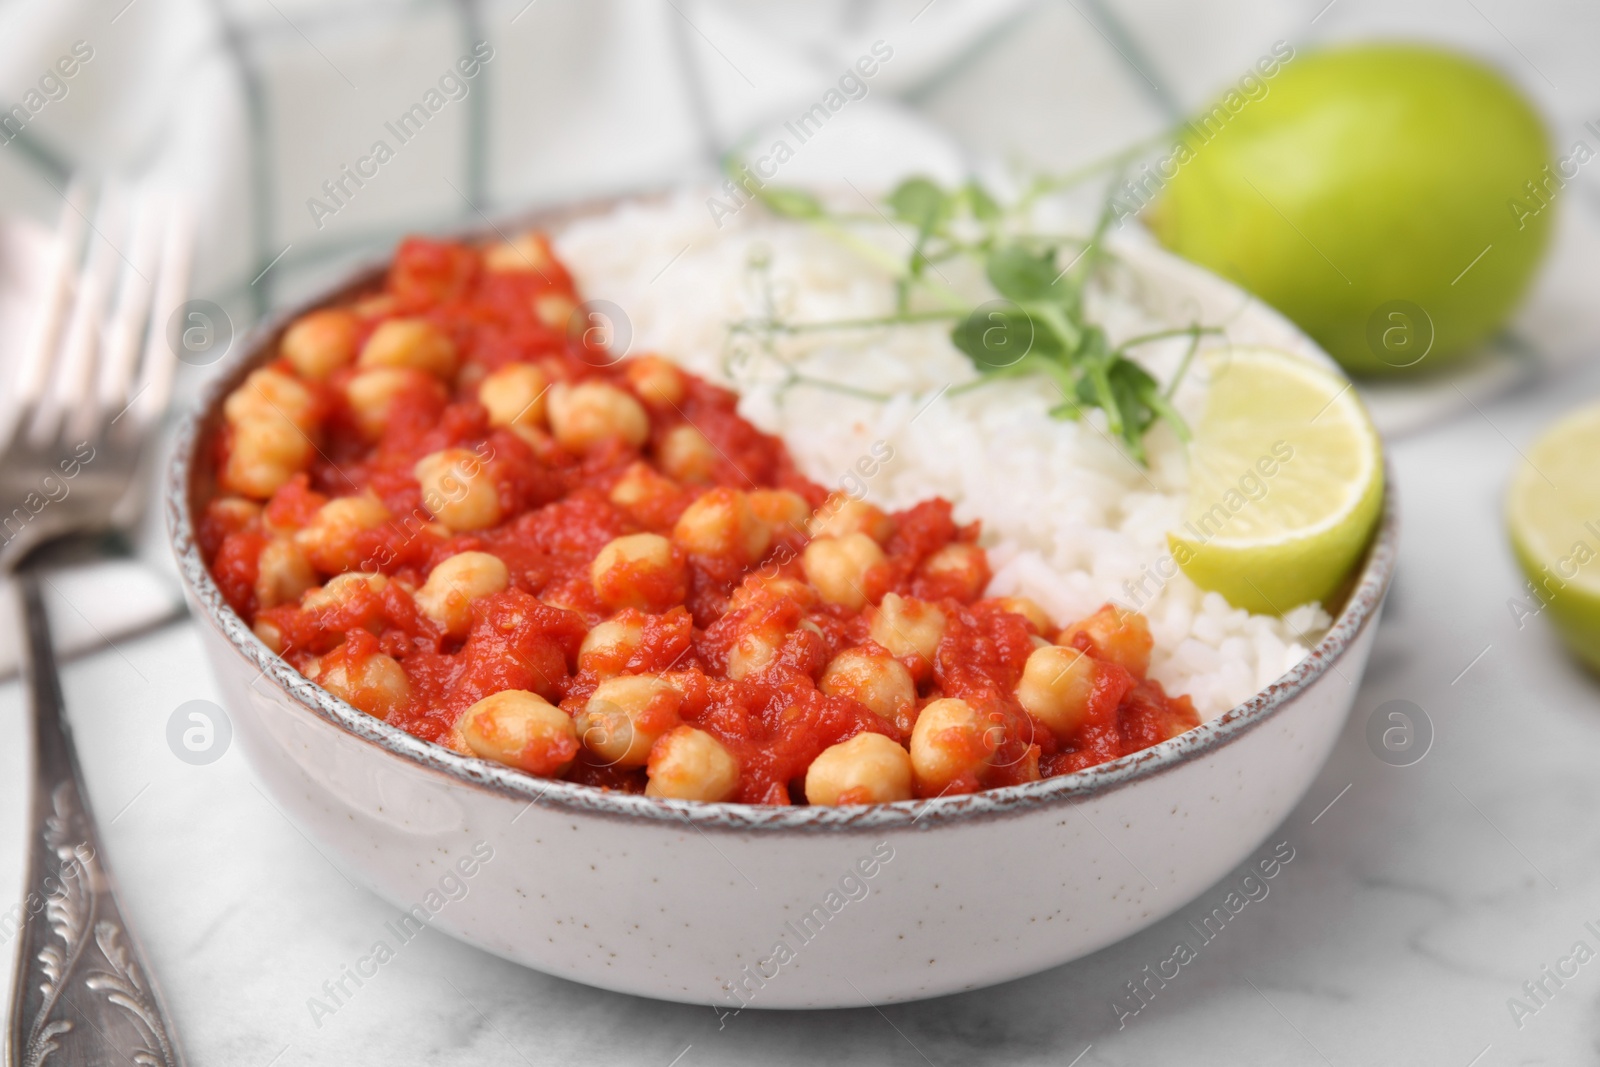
(1415, 906)
(1420, 899)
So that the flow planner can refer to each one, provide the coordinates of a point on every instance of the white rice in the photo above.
(1068, 518)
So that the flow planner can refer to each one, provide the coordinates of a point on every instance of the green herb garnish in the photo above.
(1036, 324)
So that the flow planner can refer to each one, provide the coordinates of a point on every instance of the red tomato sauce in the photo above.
(557, 507)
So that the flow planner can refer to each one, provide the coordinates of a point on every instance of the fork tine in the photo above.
(74, 393)
(38, 354)
(171, 290)
(132, 305)
(74, 356)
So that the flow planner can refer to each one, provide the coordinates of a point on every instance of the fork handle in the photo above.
(82, 994)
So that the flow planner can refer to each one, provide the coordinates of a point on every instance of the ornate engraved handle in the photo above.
(81, 995)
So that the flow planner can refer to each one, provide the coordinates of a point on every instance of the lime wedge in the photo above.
(1285, 483)
(1553, 510)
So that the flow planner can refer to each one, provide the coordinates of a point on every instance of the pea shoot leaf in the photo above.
(983, 206)
(1000, 334)
(1131, 385)
(1020, 274)
(921, 203)
(794, 203)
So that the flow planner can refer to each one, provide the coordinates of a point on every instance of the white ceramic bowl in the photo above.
(737, 905)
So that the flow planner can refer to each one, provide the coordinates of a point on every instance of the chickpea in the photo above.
(376, 683)
(371, 393)
(414, 343)
(321, 342)
(880, 682)
(960, 568)
(837, 567)
(272, 396)
(690, 764)
(641, 490)
(340, 588)
(908, 628)
(655, 380)
(950, 740)
(541, 444)
(867, 769)
(282, 574)
(781, 509)
(522, 730)
(269, 635)
(625, 716)
(685, 454)
(840, 516)
(524, 252)
(588, 414)
(458, 489)
(720, 523)
(514, 395)
(235, 512)
(754, 650)
(609, 646)
(329, 540)
(638, 571)
(264, 455)
(1056, 687)
(759, 587)
(447, 596)
(1119, 636)
(470, 376)
(565, 596)
(375, 306)
(555, 311)
(1028, 609)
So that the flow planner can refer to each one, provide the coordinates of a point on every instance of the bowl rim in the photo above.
(1360, 608)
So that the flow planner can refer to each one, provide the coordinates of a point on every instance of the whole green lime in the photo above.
(1393, 200)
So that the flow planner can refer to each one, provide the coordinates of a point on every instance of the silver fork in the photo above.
(95, 377)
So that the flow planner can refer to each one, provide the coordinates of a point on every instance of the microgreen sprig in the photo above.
(1037, 324)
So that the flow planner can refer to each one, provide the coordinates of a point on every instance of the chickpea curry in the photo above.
(458, 512)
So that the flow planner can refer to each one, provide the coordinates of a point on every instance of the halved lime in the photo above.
(1285, 483)
(1553, 510)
